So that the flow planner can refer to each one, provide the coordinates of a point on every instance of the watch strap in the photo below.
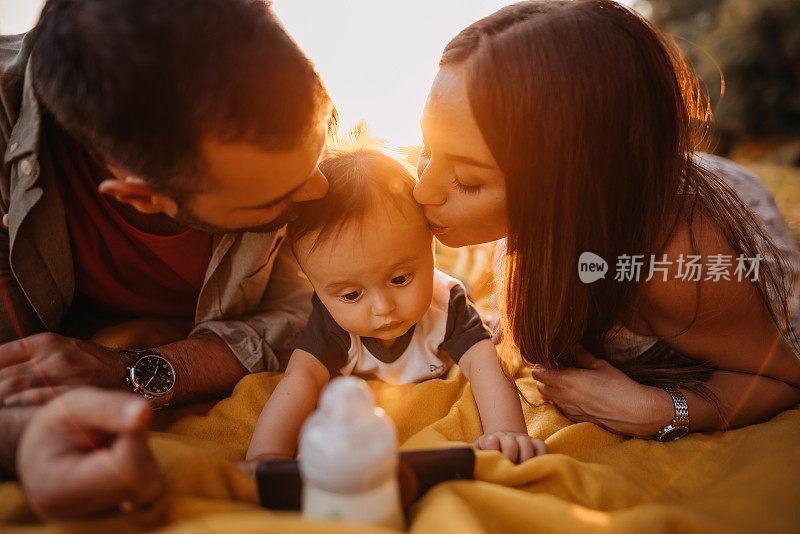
(679, 426)
(681, 407)
(138, 353)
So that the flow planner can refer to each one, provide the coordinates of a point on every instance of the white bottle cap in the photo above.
(348, 445)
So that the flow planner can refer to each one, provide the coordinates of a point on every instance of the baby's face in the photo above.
(376, 276)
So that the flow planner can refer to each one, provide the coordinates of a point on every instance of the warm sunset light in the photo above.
(575, 307)
(378, 58)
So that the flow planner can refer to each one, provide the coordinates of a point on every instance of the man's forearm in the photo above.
(204, 366)
(12, 423)
(744, 399)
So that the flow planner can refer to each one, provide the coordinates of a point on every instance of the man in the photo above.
(152, 152)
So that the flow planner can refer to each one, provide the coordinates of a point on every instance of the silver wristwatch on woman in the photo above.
(679, 426)
(150, 375)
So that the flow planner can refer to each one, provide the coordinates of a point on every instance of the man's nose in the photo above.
(427, 191)
(315, 187)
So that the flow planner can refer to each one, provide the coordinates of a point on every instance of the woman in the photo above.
(569, 127)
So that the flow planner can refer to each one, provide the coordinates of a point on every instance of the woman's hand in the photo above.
(599, 393)
(516, 446)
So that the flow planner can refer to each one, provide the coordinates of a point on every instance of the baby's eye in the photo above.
(401, 280)
(351, 297)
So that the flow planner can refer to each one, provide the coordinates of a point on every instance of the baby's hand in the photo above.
(516, 446)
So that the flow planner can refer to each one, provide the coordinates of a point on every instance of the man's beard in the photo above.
(186, 217)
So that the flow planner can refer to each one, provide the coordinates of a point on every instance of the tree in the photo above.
(755, 45)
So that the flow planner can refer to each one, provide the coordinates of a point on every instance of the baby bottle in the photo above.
(348, 458)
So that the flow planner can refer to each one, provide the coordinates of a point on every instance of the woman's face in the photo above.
(461, 187)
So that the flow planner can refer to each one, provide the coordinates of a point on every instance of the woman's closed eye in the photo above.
(403, 279)
(464, 188)
(351, 296)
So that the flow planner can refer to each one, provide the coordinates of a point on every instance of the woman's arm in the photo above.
(726, 324)
(744, 399)
(499, 406)
(293, 400)
(599, 393)
(721, 322)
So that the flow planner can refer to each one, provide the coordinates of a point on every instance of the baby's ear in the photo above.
(139, 194)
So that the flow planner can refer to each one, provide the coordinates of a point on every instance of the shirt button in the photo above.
(26, 167)
(5, 220)
(13, 146)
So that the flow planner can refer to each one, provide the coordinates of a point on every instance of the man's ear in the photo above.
(139, 194)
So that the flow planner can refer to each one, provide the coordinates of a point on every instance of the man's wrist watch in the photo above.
(150, 375)
(679, 426)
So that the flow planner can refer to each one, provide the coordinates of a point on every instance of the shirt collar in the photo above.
(391, 353)
(24, 138)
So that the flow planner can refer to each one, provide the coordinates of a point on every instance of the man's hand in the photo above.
(86, 453)
(599, 393)
(516, 446)
(36, 368)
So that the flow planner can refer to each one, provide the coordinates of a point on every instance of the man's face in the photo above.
(248, 189)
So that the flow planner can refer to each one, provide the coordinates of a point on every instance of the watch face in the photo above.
(154, 374)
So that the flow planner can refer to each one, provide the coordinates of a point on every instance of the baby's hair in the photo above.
(359, 181)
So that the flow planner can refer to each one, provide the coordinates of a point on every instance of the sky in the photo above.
(378, 58)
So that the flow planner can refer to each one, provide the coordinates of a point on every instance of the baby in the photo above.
(381, 310)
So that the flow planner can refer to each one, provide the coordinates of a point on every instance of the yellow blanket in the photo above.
(745, 480)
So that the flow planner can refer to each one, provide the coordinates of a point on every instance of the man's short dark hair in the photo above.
(142, 82)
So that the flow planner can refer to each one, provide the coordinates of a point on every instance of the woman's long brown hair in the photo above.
(593, 116)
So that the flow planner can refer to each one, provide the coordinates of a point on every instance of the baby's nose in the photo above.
(383, 305)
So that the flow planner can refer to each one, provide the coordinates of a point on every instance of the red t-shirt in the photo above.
(118, 266)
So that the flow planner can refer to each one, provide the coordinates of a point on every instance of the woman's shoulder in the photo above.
(671, 294)
(696, 236)
(706, 285)
(718, 313)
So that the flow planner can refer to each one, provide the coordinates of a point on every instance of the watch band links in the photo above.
(681, 407)
(679, 426)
